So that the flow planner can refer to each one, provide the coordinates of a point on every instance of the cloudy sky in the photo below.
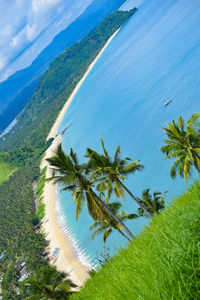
(28, 26)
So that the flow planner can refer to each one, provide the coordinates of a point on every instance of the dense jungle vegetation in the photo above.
(23, 147)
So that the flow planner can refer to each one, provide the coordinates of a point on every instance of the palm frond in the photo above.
(79, 200)
(130, 217)
(118, 190)
(106, 234)
(104, 150)
(132, 168)
(117, 155)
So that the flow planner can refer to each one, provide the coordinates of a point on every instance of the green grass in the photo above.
(39, 191)
(5, 171)
(163, 263)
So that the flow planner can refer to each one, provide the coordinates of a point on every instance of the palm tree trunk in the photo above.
(124, 235)
(195, 163)
(110, 212)
(134, 198)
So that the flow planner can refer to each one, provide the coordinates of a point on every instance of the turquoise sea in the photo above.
(154, 57)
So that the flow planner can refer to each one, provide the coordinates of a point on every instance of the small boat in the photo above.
(167, 102)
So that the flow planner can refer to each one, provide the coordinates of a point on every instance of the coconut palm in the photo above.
(47, 283)
(183, 145)
(154, 203)
(67, 170)
(106, 226)
(111, 173)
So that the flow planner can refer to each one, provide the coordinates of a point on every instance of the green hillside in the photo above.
(57, 84)
(163, 263)
(23, 148)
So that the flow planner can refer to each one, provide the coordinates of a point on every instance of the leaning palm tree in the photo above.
(153, 203)
(183, 145)
(48, 283)
(111, 173)
(67, 170)
(106, 226)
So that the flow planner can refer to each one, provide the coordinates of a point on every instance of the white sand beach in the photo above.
(67, 259)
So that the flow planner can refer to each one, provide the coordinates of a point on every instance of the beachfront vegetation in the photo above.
(162, 263)
(18, 238)
(107, 225)
(23, 147)
(110, 174)
(89, 182)
(183, 145)
(171, 245)
(48, 283)
(67, 170)
(9, 281)
(40, 206)
(153, 203)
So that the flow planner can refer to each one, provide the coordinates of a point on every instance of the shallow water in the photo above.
(154, 57)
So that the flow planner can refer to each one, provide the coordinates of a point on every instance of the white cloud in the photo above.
(34, 23)
(38, 6)
(6, 30)
(31, 32)
(3, 62)
(19, 40)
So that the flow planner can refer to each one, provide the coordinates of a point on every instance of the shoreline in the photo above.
(53, 131)
(67, 260)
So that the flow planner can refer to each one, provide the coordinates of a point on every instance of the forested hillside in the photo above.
(18, 89)
(58, 83)
(24, 146)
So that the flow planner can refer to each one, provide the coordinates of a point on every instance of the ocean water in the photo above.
(154, 57)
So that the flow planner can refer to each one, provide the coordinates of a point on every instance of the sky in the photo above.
(129, 4)
(28, 26)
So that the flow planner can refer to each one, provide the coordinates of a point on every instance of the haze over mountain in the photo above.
(18, 88)
(27, 27)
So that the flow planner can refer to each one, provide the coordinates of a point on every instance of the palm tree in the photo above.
(106, 226)
(67, 170)
(154, 203)
(110, 173)
(47, 283)
(183, 144)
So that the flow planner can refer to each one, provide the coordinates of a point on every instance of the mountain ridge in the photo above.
(16, 91)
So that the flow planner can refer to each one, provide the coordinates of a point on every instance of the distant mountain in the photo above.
(16, 91)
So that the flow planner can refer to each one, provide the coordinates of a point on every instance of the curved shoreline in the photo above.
(67, 260)
(53, 131)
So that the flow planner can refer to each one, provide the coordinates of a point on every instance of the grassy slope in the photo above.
(163, 263)
(5, 171)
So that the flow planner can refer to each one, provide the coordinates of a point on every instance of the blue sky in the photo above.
(28, 26)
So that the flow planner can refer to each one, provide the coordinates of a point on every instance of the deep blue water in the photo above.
(154, 57)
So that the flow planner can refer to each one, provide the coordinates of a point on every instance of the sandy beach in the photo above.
(67, 259)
